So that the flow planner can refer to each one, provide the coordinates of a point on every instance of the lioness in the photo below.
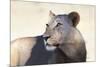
(61, 43)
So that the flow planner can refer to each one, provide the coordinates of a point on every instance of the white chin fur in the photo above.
(50, 48)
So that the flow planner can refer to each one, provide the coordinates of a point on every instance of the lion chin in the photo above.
(50, 48)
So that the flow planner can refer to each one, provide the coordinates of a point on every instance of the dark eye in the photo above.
(58, 24)
(47, 25)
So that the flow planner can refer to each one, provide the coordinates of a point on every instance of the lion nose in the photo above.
(46, 38)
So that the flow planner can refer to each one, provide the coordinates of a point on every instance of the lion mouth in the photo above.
(50, 47)
(56, 45)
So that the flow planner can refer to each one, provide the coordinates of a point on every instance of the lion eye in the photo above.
(58, 24)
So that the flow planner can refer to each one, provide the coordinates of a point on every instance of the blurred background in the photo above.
(29, 18)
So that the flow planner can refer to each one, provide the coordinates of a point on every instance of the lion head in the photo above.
(60, 28)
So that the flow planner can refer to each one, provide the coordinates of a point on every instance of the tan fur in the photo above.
(73, 42)
(75, 38)
(21, 49)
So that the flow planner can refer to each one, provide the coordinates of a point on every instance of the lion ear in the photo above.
(75, 18)
(51, 14)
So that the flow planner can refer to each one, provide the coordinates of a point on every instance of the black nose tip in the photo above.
(46, 38)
